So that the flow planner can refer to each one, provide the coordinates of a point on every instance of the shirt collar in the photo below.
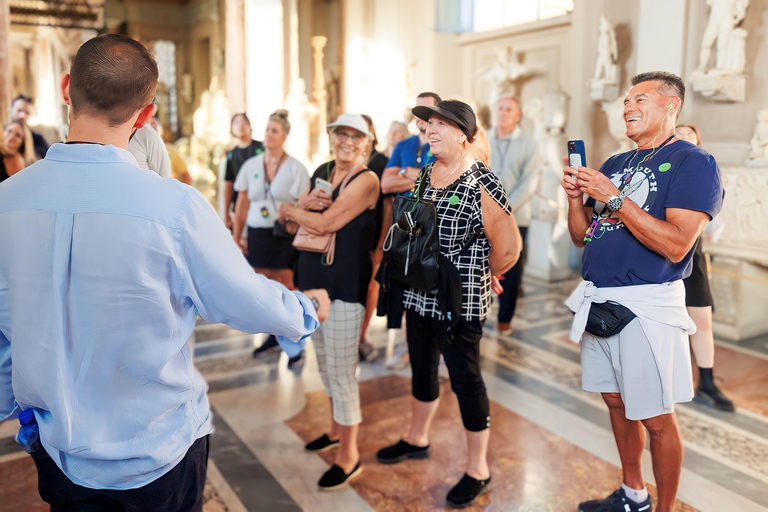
(516, 133)
(91, 153)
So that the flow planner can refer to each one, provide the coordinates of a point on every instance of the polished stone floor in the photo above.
(550, 447)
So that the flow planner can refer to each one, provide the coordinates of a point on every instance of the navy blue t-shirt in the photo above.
(408, 153)
(679, 175)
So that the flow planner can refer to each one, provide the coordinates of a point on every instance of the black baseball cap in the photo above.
(457, 111)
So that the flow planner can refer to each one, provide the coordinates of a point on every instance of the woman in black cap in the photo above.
(472, 207)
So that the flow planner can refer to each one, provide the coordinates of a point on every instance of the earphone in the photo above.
(671, 106)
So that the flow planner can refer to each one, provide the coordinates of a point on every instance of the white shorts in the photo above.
(625, 364)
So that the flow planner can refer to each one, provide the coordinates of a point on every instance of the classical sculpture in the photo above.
(758, 146)
(726, 80)
(502, 73)
(302, 113)
(606, 69)
(725, 16)
(604, 86)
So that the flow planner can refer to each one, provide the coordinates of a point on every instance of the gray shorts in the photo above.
(625, 364)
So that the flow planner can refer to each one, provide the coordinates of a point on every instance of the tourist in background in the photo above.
(517, 163)
(178, 165)
(12, 161)
(350, 213)
(148, 148)
(266, 181)
(34, 146)
(246, 148)
(377, 162)
(699, 302)
(398, 131)
(478, 234)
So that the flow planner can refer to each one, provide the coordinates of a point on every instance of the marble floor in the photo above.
(551, 444)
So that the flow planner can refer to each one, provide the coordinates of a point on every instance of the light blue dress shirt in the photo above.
(104, 268)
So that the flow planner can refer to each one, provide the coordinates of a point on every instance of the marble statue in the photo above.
(726, 80)
(607, 53)
(758, 146)
(725, 16)
(301, 113)
(503, 72)
(604, 85)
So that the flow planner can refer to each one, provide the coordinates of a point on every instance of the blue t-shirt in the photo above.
(679, 175)
(408, 153)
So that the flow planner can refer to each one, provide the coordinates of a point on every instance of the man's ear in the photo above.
(145, 115)
(64, 89)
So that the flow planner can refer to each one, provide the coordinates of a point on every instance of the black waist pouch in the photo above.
(607, 318)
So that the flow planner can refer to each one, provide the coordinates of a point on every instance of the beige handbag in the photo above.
(326, 244)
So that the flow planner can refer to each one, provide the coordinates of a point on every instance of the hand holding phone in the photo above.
(576, 156)
(325, 186)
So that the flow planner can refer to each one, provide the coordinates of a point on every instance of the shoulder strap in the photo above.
(422, 182)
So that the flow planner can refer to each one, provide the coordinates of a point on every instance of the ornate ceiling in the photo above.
(83, 14)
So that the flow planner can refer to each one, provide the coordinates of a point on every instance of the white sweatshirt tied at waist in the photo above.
(660, 309)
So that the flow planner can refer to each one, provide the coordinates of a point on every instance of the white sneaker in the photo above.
(399, 359)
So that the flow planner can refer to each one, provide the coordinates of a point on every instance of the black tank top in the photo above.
(347, 279)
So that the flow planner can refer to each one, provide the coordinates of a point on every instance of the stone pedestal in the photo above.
(603, 91)
(720, 87)
(739, 273)
(740, 289)
(548, 248)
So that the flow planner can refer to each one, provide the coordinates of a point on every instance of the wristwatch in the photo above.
(402, 172)
(615, 202)
(315, 303)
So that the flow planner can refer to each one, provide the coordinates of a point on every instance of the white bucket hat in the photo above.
(355, 121)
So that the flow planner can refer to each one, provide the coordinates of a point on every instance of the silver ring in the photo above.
(321, 203)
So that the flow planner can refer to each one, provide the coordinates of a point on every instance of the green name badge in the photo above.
(454, 200)
(665, 167)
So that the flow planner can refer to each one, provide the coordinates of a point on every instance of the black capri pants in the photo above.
(460, 346)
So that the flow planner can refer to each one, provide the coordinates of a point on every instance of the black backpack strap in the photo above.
(422, 182)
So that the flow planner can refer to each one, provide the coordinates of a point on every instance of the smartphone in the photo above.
(576, 155)
(324, 185)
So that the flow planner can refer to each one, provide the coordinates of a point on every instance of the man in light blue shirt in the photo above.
(104, 268)
(516, 161)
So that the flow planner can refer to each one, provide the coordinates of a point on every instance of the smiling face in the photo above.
(444, 136)
(427, 101)
(14, 137)
(645, 111)
(275, 136)
(348, 144)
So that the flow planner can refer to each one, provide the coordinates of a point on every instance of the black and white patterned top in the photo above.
(459, 215)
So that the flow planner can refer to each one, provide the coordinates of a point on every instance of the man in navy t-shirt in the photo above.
(644, 212)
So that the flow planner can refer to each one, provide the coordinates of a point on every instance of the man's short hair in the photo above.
(510, 96)
(432, 95)
(112, 77)
(670, 85)
(21, 97)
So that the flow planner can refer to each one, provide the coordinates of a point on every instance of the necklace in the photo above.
(451, 173)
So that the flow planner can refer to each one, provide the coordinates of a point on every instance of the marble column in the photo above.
(320, 96)
(6, 78)
(235, 54)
